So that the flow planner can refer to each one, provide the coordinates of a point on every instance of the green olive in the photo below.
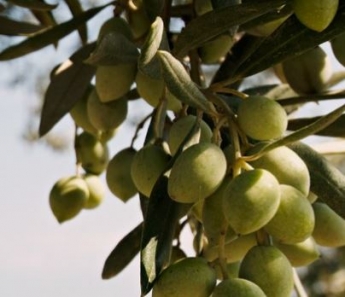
(268, 267)
(294, 220)
(262, 118)
(68, 197)
(118, 174)
(251, 200)
(197, 173)
(189, 277)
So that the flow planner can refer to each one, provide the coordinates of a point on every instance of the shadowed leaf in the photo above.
(180, 84)
(159, 228)
(291, 39)
(12, 28)
(326, 181)
(49, 36)
(113, 49)
(67, 86)
(76, 9)
(216, 22)
(33, 4)
(123, 253)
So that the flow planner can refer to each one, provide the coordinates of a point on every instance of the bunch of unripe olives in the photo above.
(256, 214)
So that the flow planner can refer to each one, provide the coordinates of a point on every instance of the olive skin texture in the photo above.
(68, 197)
(118, 174)
(106, 116)
(329, 228)
(197, 173)
(237, 287)
(251, 200)
(180, 129)
(315, 14)
(309, 72)
(300, 254)
(91, 153)
(287, 167)
(189, 277)
(294, 220)
(96, 191)
(268, 267)
(147, 165)
(261, 118)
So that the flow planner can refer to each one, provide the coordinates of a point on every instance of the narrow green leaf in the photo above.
(216, 22)
(33, 4)
(68, 84)
(153, 8)
(305, 131)
(113, 49)
(123, 253)
(159, 229)
(327, 182)
(11, 27)
(180, 84)
(336, 129)
(156, 40)
(45, 18)
(49, 36)
(290, 39)
(76, 9)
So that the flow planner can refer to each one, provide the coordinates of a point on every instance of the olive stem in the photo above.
(262, 238)
(221, 251)
(139, 127)
(230, 91)
(237, 148)
(216, 134)
(298, 285)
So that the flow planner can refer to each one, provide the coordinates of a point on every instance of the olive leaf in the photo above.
(49, 36)
(113, 49)
(180, 84)
(153, 8)
(305, 131)
(45, 18)
(161, 219)
(68, 84)
(33, 4)
(326, 181)
(76, 9)
(123, 253)
(11, 27)
(291, 39)
(216, 22)
(336, 129)
(156, 40)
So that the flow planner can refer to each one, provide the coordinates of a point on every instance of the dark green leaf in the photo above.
(76, 9)
(156, 40)
(113, 49)
(49, 36)
(159, 228)
(33, 4)
(12, 28)
(180, 84)
(327, 182)
(216, 22)
(68, 84)
(153, 8)
(45, 18)
(123, 253)
(289, 40)
(336, 129)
